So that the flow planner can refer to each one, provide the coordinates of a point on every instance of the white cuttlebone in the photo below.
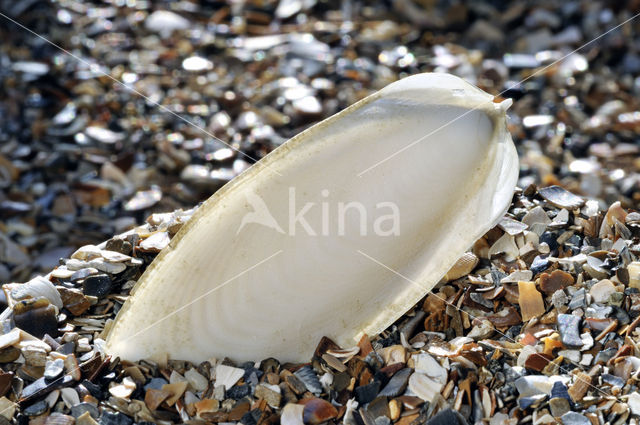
(450, 188)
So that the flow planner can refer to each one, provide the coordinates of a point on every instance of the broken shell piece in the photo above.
(634, 274)
(530, 300)
(505, 245)
(228, 375)
(243, 255)
(462, 267)
(36, 287)
(614, 213)
(560, 197)
(424, 387)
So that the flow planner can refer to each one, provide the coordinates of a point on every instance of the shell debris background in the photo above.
(82, 160)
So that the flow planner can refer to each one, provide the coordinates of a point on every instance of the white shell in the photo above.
(36, 287)
(228, 375)
(239, 280)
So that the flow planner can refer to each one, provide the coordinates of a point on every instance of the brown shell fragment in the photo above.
(558, 279)
(580, 387)
(154, 398)
(317, 410)
(176, 390)
(530, 300)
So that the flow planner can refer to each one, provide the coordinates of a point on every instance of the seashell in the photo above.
(462, 267)
(561, 197)
(424, 387)
(36, 287)
(310, 379)
(228, 375)
(266, 266)
(292, 414)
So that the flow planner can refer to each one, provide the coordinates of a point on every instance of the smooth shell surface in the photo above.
(338, 232)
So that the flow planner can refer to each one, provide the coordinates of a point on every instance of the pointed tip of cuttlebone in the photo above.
(504, 105)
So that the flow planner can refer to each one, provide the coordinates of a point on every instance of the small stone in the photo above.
(569, 328)
(559, 406)
(558, 279)
(317, 410)
(571, 355)
(98, 285)
(53, 369)
(581, 384)
(530, 300)
(602, 291)
(57, 418)
(206, 405)
(270, 394)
